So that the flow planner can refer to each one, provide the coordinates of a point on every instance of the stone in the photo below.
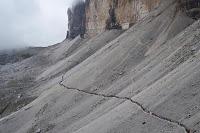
(125, 26)
(19, 96)
(38, 131)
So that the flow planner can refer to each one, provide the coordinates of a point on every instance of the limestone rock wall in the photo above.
(95, 16)
(126, 12)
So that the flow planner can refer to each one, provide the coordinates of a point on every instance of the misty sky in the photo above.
(32, 22)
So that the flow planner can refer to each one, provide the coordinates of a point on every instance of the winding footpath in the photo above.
(187, 130)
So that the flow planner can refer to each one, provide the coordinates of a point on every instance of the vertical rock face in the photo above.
(105, 14)
(94, 16)
(76, 20)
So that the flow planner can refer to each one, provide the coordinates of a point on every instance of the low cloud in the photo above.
(32, 23)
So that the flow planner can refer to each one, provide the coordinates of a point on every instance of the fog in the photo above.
(32, 22)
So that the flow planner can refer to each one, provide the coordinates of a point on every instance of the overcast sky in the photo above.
(32, 22)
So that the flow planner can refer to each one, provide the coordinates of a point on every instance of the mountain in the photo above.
(16, 55)
(137, 74)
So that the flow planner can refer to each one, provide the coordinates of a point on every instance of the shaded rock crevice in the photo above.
(191, 8)
(4, 109)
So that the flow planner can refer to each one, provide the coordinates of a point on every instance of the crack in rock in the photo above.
(4, 109)
(145, 110)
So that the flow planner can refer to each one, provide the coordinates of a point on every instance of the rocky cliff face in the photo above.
(76, 20)
(95, 16)
(99, 13)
